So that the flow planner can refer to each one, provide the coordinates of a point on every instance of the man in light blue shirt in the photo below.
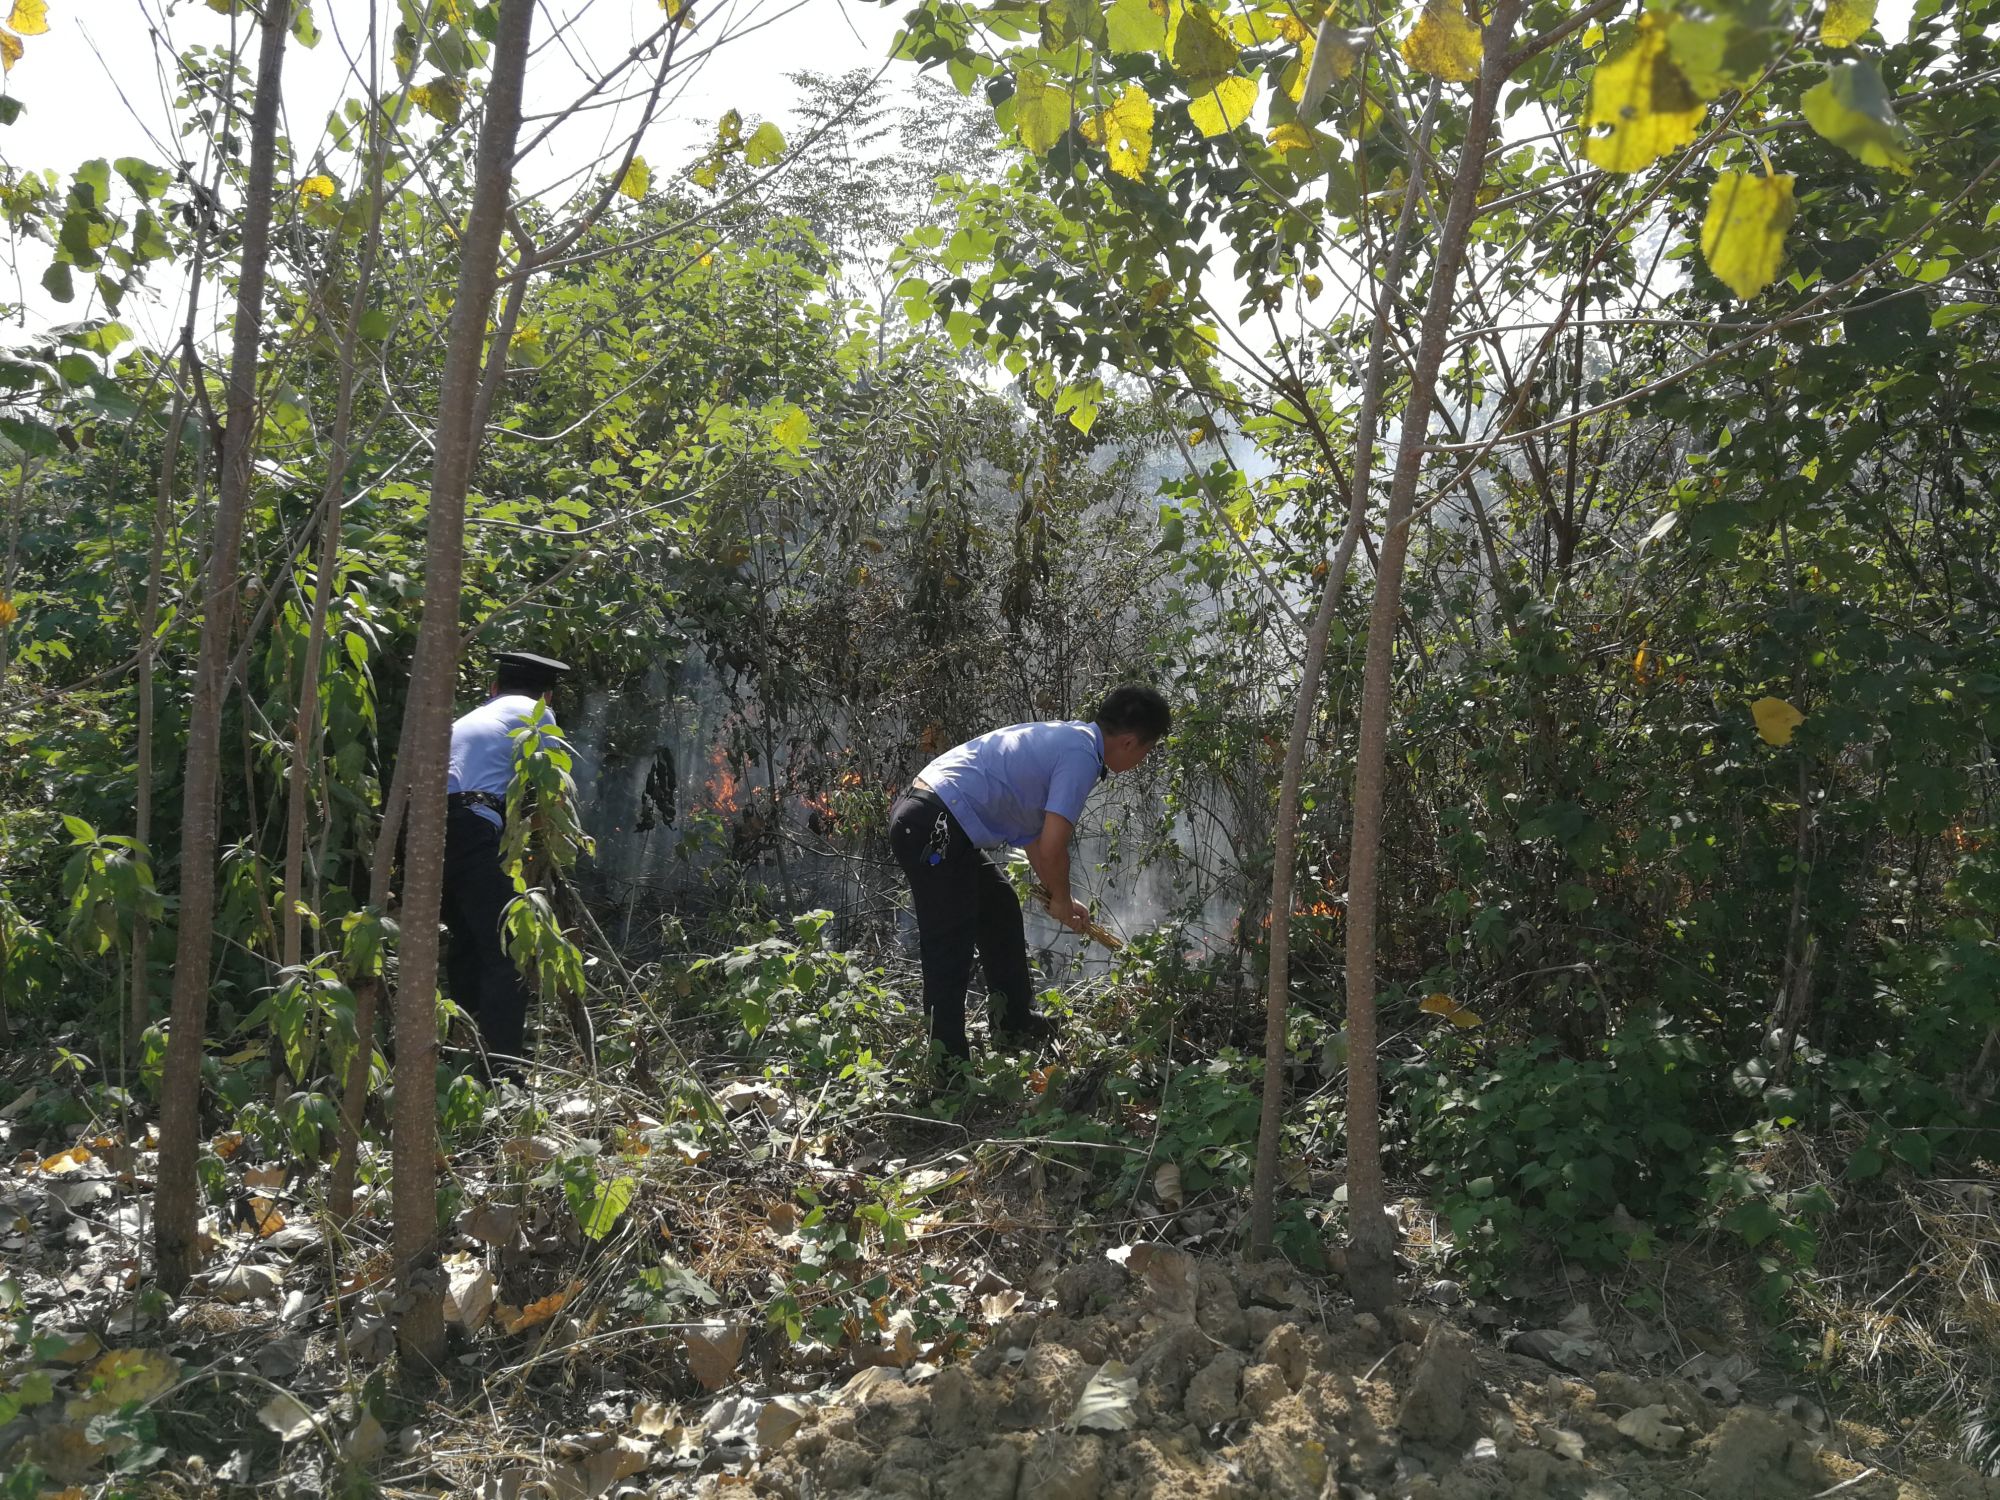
(1025, 786)
(484, 981)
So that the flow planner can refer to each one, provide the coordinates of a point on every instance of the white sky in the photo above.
(96, 85)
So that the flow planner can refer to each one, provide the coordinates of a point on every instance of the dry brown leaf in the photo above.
(653, 1418)
(623, 1459)
(1000, 1305)
(264, 1179)
(227, 1144)
(1167, 1186)
(713, 1357)
(368, 1442)
(1649, 1428)
(84, 1346)
(1169, 1275)
(532, 1148)
(469, 1289)
(265, 1218)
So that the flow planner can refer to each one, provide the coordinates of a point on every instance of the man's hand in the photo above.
(1071, 913)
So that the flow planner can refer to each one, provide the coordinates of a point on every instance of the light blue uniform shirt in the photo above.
(999, 785)
(483, 745)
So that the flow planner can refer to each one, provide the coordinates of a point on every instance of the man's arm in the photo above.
(1049, 857)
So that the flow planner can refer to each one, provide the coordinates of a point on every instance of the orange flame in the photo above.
(724, 791)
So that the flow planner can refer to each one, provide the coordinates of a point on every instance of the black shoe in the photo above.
(1026, 1032)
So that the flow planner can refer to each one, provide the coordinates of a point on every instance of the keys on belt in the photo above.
(490, 800)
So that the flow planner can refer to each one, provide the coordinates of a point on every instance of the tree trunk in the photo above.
(305, 734)
(1284, 857)
(1371, 1256)
(140, 1003)
(420, 1332)
(177, 1207)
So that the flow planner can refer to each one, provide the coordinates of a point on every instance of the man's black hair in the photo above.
(531, 682)
(1134, 707)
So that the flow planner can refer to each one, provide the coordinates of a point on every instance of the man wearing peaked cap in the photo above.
(484, 981)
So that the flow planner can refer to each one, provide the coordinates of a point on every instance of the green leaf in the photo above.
(1719, 54)
(1134, 26)
(11, 109)
(765, 146)
(1913, 1148)
(1755, 1220)
(1197, 46)
(1743, 232)
(607, 1206)
(37, 439)
(1851, 108)
(304, 30)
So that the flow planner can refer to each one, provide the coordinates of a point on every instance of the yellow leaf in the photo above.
(10, 51)
(793, 430)
(1126, 131)
(1041, 112)
(1743, 233)
(120, 1376)
(1776, 720)
(765, 146)
(1197, 45)
(638, 177)
(1644, 99)
(65, 1162)
(8, 613)
(31, 17)
(1222, 106)
(316, 187)
(1292, 136)
(1441, 1004)
(1445, 44)
(441, 98)
(264, 1216)
(1843, 23)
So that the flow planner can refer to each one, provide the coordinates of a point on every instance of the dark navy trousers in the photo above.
(965, 909)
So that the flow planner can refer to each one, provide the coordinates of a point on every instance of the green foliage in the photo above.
(815, 1006)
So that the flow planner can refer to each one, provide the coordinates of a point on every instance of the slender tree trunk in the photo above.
(420, 1333)
(1284, 857)
(176, 1208)
(1371, 1257)
(140, 1003)
(305, 733)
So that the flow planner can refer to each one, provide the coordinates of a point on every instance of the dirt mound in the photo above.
(1169, 1378)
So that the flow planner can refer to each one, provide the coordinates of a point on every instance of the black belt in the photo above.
(926, 796)
(490, 800)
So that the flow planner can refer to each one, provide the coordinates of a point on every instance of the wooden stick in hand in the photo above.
(1096, 931)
